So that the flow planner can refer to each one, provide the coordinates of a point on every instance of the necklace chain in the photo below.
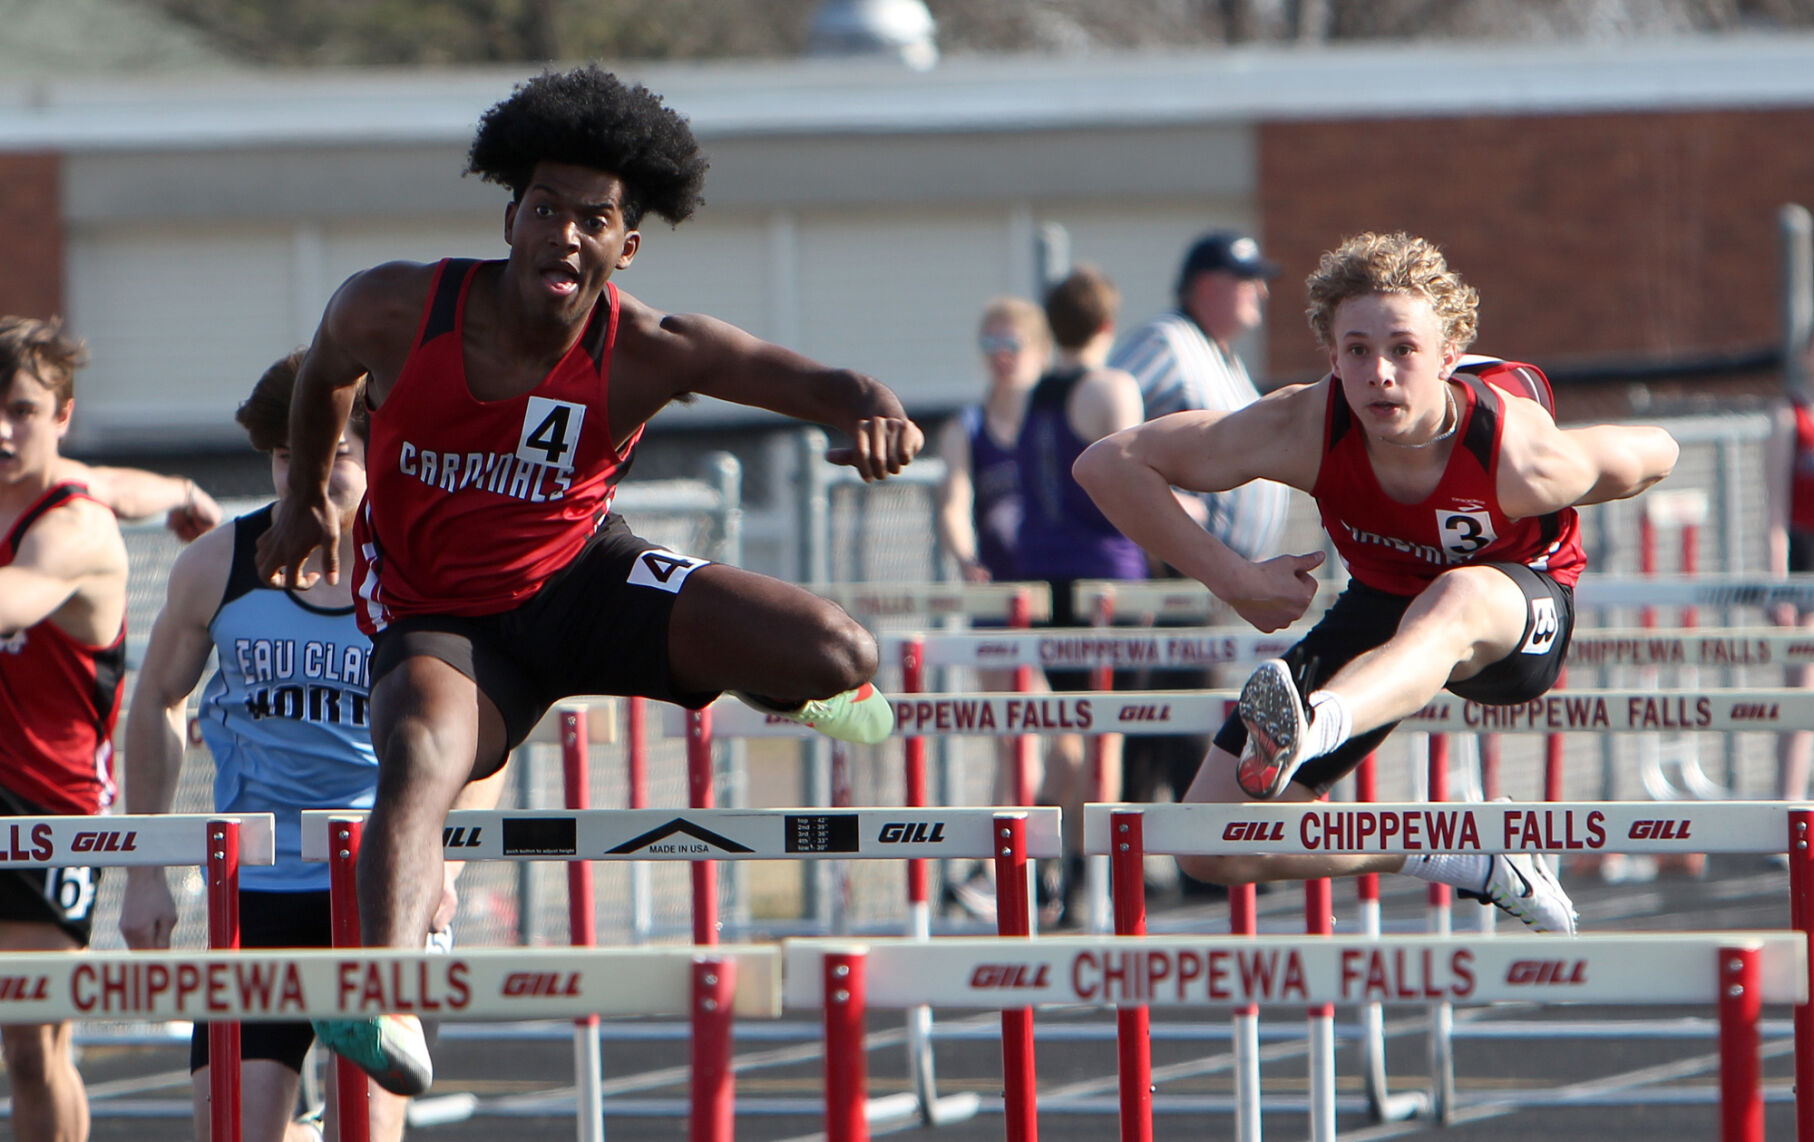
(1451, 415)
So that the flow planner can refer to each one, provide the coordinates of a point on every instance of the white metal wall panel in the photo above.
(716, 264)
(896, 294)
(180, 321)
(349, 247)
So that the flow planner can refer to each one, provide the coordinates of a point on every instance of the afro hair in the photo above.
(588, 117)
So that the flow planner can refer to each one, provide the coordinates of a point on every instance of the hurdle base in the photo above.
(1400, 1107)
(441, 1110)
(947, 1110)
(890, 1107)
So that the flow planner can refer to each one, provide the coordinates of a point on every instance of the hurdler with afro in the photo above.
(588, 117)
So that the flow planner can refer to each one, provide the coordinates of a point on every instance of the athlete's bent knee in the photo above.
(844, 654)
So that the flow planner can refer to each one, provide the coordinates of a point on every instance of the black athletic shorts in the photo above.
(1363, 618)
(283, 920)
(274, 920)
(599, 626)
(1801, 550)
(64, 897)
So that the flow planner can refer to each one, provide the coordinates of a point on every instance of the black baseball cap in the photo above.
(1227, 250)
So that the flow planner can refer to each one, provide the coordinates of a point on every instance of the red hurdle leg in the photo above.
(582, 924)
(846, 1064)
(913, 762)
(1133, 1023)
(1013, 918)
(1801, 918)
(714, 1085)
(351, 1084)
(223, 934)
(636, 773)
(1026, 746)
(1741, 1072)
(699, 787)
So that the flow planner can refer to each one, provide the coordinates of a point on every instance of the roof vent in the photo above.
(897, 29)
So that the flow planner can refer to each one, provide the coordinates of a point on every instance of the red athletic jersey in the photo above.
(472, 505)
(1801, 474)
(59, 700)
(1400, 548)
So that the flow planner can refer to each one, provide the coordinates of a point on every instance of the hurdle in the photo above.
(701, 836)
(717, 984)
(1736, 972)
(1185, 600)
(224, 842)
(1128, 832)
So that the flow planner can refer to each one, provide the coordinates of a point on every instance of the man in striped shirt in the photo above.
(1185, 360)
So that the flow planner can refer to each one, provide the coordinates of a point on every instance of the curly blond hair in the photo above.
(1391, 263)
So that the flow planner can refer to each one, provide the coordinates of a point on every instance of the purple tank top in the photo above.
(995, 505)
(1063, 534)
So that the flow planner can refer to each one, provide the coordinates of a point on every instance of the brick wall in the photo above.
(1589, 236)
(31, 236)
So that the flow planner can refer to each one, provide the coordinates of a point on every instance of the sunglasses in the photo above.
(989, 344)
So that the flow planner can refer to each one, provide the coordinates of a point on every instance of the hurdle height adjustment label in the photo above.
(823, 833)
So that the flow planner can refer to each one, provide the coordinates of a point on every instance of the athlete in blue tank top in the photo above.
(286, 718)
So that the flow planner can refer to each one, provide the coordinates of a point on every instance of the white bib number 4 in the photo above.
(663, 570)
(550, 433)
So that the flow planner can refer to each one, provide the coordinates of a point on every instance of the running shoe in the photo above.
(1523, 885)
(974, 895)
(390, 1048)
(1273, 712)
(862, 716)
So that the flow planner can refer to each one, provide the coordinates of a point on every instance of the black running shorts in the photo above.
(62, 897)
(274, 920)
(1363, 618)
(599, 626)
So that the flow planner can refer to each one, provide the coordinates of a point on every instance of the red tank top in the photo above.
(472, 505)
(1801, 474)
(59, 700)
(1400, 548)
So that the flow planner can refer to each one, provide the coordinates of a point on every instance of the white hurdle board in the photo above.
(478, 984)
(1708, 710)
(716, 834)
(969, 600)
(1172, 599)
(1328, 827)
(1220, 971)
(109, 841)
(1076, 648)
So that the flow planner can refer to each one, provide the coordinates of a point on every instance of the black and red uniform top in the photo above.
(59, 700)
(472, 505)
(1399, 548)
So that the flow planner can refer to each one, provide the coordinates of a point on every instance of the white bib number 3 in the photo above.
(1464, 533)
(1545, 626)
